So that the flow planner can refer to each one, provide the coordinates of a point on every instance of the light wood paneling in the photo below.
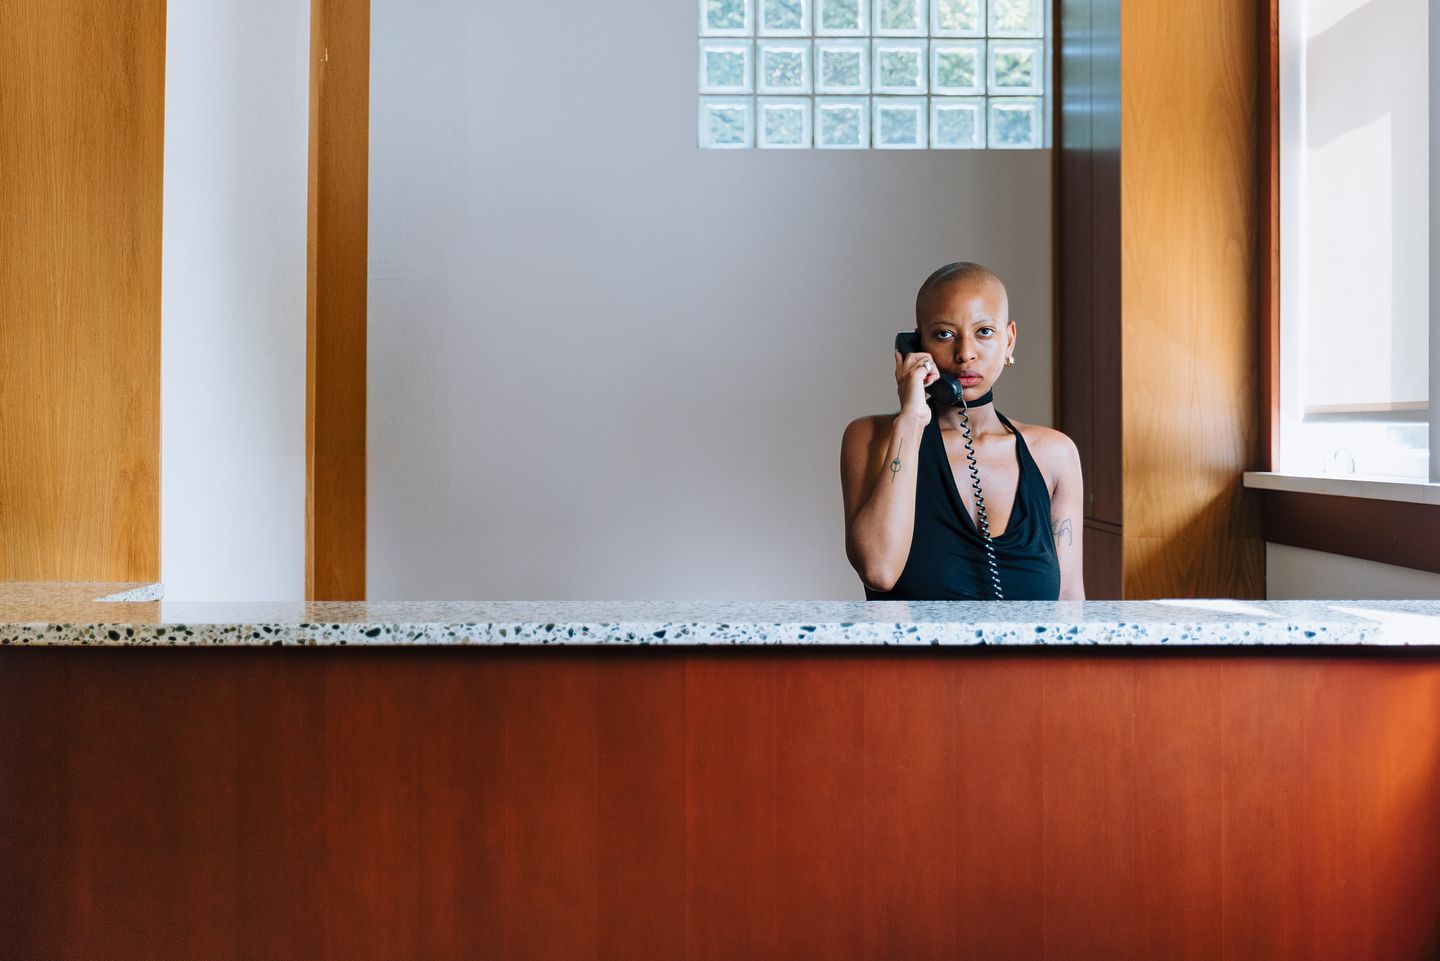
(1189, 216)
(82, 113)
(337, 296)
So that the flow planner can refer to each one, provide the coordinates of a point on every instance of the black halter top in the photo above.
(947, 552)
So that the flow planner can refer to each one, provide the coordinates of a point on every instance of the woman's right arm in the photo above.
(878, 459)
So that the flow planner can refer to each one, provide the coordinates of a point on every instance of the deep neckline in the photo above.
(955, 487)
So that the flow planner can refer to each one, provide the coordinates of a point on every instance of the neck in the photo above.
(980, 411)
(980, 401)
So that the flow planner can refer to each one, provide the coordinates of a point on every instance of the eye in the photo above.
(943, 335)
(986, 331)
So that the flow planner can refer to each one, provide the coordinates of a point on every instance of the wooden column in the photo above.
(82, 140)
(1088, 271)
(1162, 192)
(337, 295)
(1189, 320)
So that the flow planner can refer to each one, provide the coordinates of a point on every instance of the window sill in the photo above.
(1370, 488)
(1393, 521)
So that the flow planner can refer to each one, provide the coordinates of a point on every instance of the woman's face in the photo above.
(968, 331)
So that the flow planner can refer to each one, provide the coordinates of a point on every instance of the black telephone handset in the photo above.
(946, 392)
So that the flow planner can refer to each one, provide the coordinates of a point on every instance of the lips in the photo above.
(969, 378)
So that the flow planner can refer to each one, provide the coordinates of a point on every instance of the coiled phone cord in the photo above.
(980, 500)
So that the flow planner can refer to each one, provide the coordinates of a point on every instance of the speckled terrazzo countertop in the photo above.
(49, 614)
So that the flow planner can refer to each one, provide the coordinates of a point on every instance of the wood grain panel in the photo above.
(1189, 302)
(281, 840)
(999, 810)
(82, 110)
(819, 808)
(337, 298)
(1370, 797)
(155, 774)
(372, 784)
(36, 861)
(1090, 801)
(461, 807)
(144, 827)
(552, 760)
(1262, 745)
(730, 822)
(911, 883)
(642, 808)
(499, 804)
(1178, 805)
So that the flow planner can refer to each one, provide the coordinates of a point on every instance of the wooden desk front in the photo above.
(511, 803)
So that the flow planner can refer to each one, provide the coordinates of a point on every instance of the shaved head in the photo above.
(963, 272)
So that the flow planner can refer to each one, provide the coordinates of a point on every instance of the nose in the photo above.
(966, 347)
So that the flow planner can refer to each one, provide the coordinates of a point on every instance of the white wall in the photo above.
(607, 364)
(232, 507)
(1293, 573)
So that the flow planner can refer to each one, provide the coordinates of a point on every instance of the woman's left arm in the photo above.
(1067, 513)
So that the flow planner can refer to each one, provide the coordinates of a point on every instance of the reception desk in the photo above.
(1108, 780)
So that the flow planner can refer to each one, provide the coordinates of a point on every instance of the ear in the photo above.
(1010, 337)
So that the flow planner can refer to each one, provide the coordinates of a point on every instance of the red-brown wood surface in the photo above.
(642, 807)
(661, 804)
(911, 876)
(730, 802)
(1089, 809)
(820, 811)
(999, 745)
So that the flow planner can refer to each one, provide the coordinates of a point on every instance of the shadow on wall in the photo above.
(1295, 573)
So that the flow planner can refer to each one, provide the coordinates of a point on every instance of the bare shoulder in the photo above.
(862, 430)
(1055, 453)
(864, 444)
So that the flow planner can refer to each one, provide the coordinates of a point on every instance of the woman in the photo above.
(914, 529)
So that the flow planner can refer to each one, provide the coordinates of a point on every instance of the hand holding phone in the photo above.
(910, 379)
(943, 389)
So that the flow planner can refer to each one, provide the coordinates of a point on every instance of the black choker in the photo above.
(981, 401)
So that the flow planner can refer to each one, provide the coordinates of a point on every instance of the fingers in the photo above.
(913, 373)
(917, 363)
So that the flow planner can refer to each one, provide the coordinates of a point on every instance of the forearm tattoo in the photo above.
(1063, 528)
(895, 464)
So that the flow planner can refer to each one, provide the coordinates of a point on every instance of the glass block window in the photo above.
(874, 74)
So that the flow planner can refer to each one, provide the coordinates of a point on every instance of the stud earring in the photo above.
(1009, 361)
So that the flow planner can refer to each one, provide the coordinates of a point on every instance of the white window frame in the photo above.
(1292, 71)
(1434, 245)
